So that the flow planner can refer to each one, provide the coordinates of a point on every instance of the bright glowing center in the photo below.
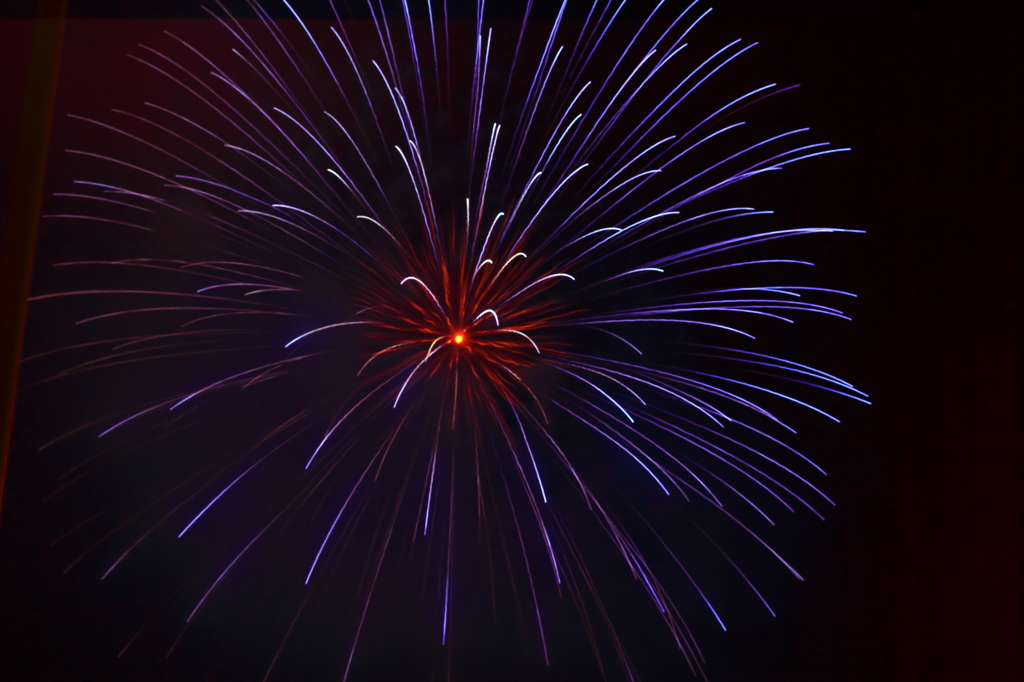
(458, 338)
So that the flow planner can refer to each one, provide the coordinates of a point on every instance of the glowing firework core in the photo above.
(458, 337)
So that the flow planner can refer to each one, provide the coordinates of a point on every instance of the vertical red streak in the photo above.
(17, 243)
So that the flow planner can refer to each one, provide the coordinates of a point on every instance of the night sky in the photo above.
(914, 575)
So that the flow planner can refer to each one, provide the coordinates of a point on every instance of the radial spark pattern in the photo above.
(449, 294)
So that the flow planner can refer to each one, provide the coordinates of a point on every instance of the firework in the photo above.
(437, 299)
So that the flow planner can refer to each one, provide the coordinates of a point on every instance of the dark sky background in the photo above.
(916, 574)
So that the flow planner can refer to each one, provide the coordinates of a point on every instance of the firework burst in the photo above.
(454, 292)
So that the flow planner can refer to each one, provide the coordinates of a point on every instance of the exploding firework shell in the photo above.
(455, 317)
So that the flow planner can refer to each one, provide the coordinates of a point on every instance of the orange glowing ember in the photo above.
(458, 338)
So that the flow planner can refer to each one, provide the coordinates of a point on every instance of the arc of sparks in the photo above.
(491, 312)
(320, 329)
(426, 289)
